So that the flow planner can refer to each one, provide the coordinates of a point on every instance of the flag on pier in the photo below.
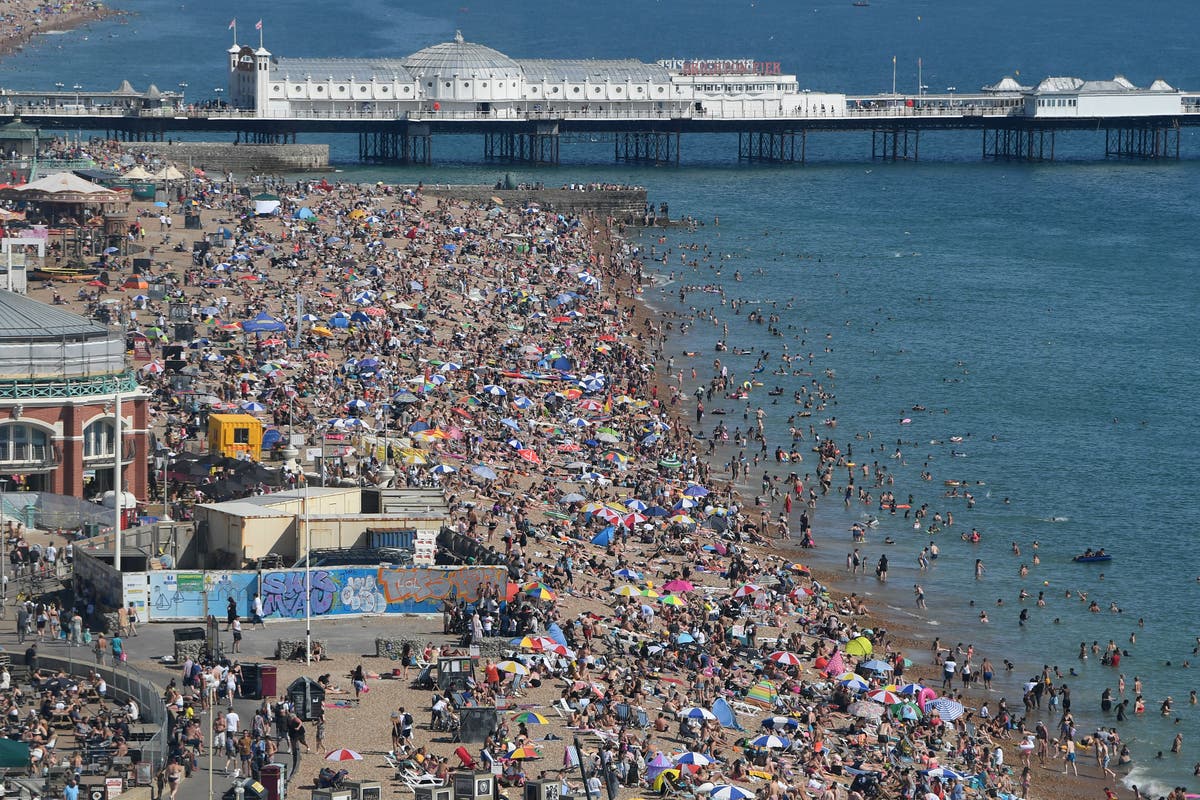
(232, 23)
(258, 25)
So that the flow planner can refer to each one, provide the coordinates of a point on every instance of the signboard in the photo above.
(113, 787)
(135, 592)
(141, 349)
(189, 581)
(721, 66)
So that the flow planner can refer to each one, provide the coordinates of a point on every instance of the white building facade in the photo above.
(462, 79)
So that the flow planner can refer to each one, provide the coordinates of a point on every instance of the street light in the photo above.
(219, 91)
(182, 91)
(77, 87)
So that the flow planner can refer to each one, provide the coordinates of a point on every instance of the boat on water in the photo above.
(860, 3)
(1091, 556)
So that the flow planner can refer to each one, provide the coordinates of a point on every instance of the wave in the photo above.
(1055, 519)
(1140, 776)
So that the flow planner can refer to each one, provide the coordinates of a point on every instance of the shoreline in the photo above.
(906, 635)
(36, 26)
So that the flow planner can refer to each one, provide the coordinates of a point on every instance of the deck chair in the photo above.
(562, 708)
(468, 761)
(621, 711)
(641, 718)
(415, 781)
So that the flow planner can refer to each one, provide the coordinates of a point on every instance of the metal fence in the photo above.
(123, 681)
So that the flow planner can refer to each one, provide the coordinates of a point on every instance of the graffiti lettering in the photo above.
(283, 593)
(418, 585)
(362, 595)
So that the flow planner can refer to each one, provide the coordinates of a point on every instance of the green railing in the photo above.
(68, 387)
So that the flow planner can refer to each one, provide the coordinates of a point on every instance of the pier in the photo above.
(526, 111)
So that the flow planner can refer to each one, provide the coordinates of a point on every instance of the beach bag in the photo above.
(87, 637)
(124, 657)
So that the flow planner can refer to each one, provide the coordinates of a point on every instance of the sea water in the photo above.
(1044, 313)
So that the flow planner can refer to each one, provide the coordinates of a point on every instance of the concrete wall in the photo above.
(241, 158)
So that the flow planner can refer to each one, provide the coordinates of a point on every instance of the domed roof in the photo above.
(462, 59)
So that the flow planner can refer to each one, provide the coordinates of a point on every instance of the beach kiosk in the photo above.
(234, 434)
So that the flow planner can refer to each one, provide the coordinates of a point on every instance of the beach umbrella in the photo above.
(342, 754)
(484, 471)
(531, 718)
(696, 712)
(945, 773)
(672, 600)
(678, 586)
(357, 405)
(866, 709)
(522, 402)
(513, 667)
(443, 469)
(909, 689)
(252, 407)
(729, 792)
(854, 683)
(745, 590)
(628, 591)
(634, 504)
(684, 638)
(540, 592)
(947, 709)
(885, 697)
(494, 390)
(529, 455)
(681, 519)
(572, 497)
(875, 665)
(906, 711)
(628, 574)
(697, 759)
(771, 741)
(695, 491)
(780, 722)
(785, 658)
(524, 753)
(859, 646)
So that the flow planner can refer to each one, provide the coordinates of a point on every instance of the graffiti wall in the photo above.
(181, 595)
(365, 590)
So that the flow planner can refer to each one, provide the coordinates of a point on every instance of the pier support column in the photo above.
(409, 145)
(1016, 144)
(647, 147)
(265, 137)
(895, 144)
(772, 147)
(1143, 141)
(539, 146)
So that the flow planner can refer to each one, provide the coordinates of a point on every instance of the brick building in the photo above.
(60, 376)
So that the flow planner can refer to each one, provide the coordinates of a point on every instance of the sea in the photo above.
(1044, 313)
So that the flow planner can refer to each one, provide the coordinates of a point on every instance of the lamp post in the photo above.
(78, 88)
(218, 91)
(59, 87)
(118, 489)
(182, 93)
